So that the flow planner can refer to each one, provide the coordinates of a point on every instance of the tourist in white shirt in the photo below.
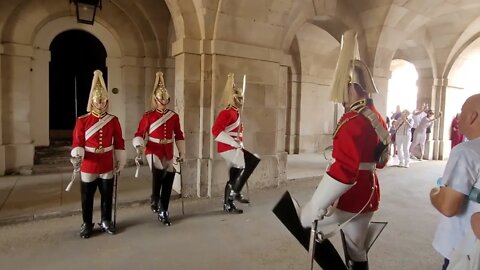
(420, 136)
(403, 136)
(417, 116)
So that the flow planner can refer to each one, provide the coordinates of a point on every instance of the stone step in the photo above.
(52, 155)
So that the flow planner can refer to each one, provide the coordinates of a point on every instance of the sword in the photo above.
(181, 185)
(76, 169)
(74, 176)
(115, 188)
(137, 163)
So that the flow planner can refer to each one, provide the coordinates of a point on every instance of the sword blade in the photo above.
(244, 86)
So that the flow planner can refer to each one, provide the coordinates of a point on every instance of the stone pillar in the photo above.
(380, 99)
(2, 146)
(292, 141)
(191, 101)
(16, 106)
(132, 94)
(437, 144)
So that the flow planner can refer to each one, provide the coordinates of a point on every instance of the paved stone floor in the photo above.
(206, 238)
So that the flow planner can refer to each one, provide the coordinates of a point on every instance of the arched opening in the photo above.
(402, 87)
(75, 54)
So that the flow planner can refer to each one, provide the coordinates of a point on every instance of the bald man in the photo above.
(475, 221)
(457, 197)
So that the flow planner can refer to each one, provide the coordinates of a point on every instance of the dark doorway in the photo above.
(75, 54)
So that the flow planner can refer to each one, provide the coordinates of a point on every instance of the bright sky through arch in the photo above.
(402, 86)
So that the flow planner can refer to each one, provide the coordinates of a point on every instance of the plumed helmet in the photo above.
(232, 94)
(159, 90)
(98, 91)
(349, 69)
(360, 74)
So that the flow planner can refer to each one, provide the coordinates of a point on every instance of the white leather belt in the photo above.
(160, 141)
(99, 150)
(367, 166)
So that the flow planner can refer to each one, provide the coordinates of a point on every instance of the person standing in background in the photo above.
(455, 134)
(417, 116)
(403, 136)
(421, 132)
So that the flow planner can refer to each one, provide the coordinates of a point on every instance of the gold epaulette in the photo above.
(340, 124)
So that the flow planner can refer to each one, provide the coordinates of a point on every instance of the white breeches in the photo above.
(355, 231)
(403, 147)
(419, 139)
(234, 158)
(160, 164)
(90, 177)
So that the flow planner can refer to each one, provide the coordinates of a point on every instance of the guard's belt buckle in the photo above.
(165, 141)
(99, 150)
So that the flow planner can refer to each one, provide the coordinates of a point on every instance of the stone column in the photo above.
(192, 99)
(293, 113)
(425, 94)
(380, 99)
(16, 105)
(2, 146)
(437, 144)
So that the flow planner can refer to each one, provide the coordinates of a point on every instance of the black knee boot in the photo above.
(157, 176)
(251, 162)
(237, 181)
(87, 191)
(106, 190)
(167, 183)
(228, 205)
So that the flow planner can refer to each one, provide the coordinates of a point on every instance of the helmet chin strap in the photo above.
(99, 111)
(159, 103)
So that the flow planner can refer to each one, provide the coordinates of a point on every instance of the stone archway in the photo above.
(75, 54)
(40, 71)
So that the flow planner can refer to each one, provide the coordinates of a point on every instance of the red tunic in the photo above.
(354, 143)
(225, 118)
(110, 134)
(169, 130)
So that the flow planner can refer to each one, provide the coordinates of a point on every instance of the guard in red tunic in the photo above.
(98, 150)
(227, 130)
(156, 133)
(349, 191)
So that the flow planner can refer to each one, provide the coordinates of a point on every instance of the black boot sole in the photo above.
(84, 236)
(230, 210)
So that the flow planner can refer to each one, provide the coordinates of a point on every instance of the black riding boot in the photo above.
(237, 182)
(87, 191)
(106, 190)
(166, 192)
(228, 205)
(360, 265)
(251, 162)
(157, 176)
